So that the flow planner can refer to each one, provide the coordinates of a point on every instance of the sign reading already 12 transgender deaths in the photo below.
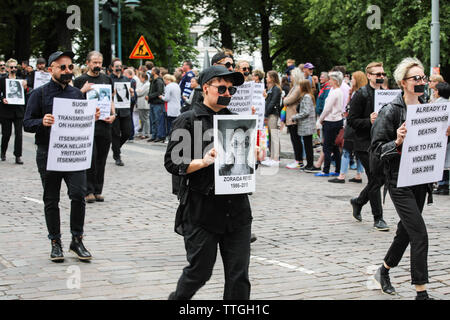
(72, 135)
(425, 144)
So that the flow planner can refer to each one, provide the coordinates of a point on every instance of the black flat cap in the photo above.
(237, 78)
(56, 55)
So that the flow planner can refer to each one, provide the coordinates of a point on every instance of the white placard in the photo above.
(425, 144)
(41, 78)
(383, 97)
(122, 96)
(235, 143)
(72, 135)
(247, 95)
(14, 91)
(101, 93)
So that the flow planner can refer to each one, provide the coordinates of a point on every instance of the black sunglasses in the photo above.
(379, 74)
(228, 65)
(13, 67)
(63, 67)
(2, 65)
(223, 89)
(418, 78)
(246, 69)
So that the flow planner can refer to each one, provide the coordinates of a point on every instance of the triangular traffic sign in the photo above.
(141, 50)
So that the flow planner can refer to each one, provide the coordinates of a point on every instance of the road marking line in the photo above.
(283, 264)
(34, 200)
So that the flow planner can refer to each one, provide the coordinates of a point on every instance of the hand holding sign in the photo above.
(448, 131)
(97, 113)
(48, 120)
(209, 157)
(86, 87)
(373, 117)
(401, 133)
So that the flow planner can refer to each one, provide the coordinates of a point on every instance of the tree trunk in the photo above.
(22, 37)
(265, 48)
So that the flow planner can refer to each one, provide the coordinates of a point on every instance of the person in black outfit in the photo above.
(40, 67)
(122, 125)
(102, 133)
(388, 133)
(204, 219)
(11, 114)
(39, 119)
(360, 118)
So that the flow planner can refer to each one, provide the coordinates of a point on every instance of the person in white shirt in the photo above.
(172, 96)
(142, 106)
(331, 121)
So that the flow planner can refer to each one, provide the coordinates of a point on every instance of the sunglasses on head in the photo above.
(63, 67)
(228, 65)
(223, 89)
(379, 74)
(418, 78)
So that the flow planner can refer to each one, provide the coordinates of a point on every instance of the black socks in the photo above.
(384, 271)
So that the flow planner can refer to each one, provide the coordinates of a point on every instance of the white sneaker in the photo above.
(293, 165)
(266, 162)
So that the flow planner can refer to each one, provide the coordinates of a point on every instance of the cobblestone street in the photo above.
(309, 246)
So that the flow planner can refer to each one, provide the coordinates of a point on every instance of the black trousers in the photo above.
(372, 191)
(330, 132)
(51, 181)
(409, 203)
(309, 150)
(121, 132)
(201, 253)
(296, 143)
(6, 135)
(100, 150)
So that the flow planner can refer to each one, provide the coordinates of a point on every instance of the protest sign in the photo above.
(235, 143)
(383, 97)
(72, 135)
(101, 93)
(247, 95)
(14, 91)
(424, 147)
(41, 78)
(122, 95)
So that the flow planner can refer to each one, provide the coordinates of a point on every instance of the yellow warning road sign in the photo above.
(141, 50)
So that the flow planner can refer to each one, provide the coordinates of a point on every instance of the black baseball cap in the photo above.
(220, 71)
(56, 55)
(218, 56)
(41, 61)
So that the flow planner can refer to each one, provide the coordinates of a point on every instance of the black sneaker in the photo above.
(311, 169)
(385, 282)
(57, 252)
(356, 209)
(119, 163)
(380, 225)
(253, 238)
(77, 248)
(336, 180)
(425, 296)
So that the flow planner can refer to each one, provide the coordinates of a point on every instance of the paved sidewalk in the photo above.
(309, 246)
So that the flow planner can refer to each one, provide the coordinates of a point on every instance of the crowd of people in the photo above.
(330, 115)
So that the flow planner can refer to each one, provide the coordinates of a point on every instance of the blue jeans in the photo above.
(345, 162)
(156, 111)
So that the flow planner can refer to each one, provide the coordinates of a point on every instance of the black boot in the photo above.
(19, 160)
(57, 252)
(356, 209)
(385, 282)
(77, 248)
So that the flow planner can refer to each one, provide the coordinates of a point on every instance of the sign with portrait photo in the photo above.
(41, 78)
(14, 91)
(101, 93)
(235, 143)
(122, 96)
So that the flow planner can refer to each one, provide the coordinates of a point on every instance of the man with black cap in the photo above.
(39, 119)
(102, 135)
(361, 117)
(204, 219)
(223, 59)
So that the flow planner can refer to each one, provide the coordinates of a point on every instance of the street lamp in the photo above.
(132, 4)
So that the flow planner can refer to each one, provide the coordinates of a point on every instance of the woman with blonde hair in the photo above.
(291, 101)
(306, 120)
(172, 95)
(358, 81)
(388, 133)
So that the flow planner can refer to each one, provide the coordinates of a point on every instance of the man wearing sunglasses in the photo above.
(204, 219)
(3, 72)
(244, 68)
(11, 113)
(361, 117)
(39, 119)
(223, 59)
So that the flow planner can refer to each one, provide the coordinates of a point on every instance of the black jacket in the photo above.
(156, 90)
(198, 203)
(361, 106)
(273, 100)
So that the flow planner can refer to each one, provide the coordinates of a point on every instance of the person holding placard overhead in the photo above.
(207, 220)
(39, 119)
(12, 109)
(388, 133)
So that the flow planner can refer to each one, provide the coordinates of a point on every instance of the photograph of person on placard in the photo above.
(105, 95)
(14, 92)
(122, 93)
(92, 95)
(238, 144)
